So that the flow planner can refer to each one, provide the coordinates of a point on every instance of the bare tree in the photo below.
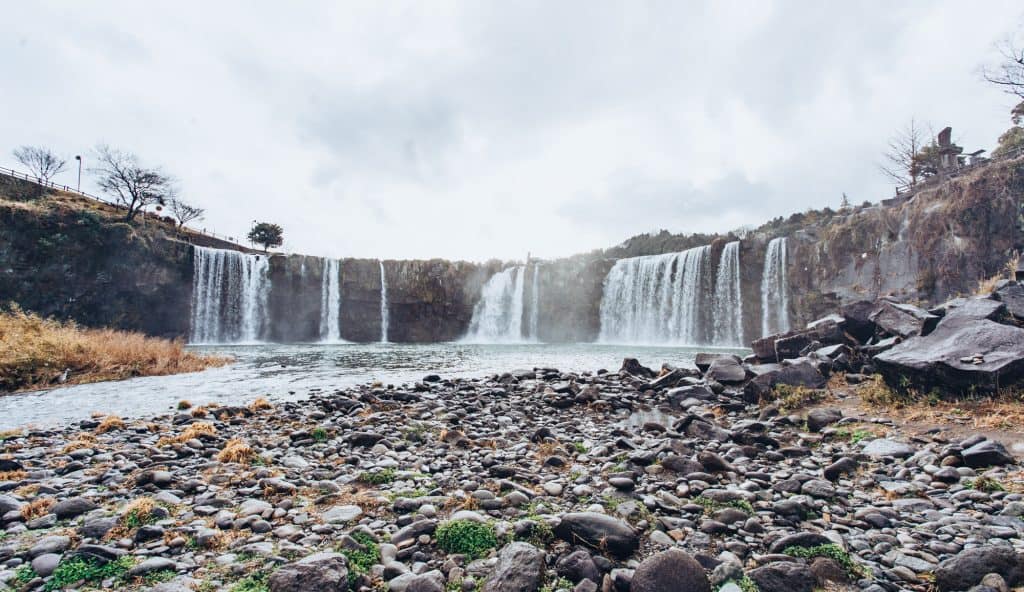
(131, 184)
(184, 212)
(43, 163)
(902, 160)
(1009, 74)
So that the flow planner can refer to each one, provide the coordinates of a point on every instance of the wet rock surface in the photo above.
(465, 484)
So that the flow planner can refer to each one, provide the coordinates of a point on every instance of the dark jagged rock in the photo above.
(800, 374)
(987, 453)
(903, 320)
(792, 346)
(973, 309)
(634, 367)
(1012, 296)
(962, 355)
(857, 319)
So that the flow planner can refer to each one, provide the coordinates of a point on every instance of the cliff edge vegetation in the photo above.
(40, 353)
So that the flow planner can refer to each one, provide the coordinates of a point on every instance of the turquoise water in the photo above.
(289, 372)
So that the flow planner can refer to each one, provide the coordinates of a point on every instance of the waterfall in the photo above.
(656, 299)
(535, 304)
(728, 318)
(775, 289)
(330, 301)
(498, 316)
(383, 305)
(229, 296)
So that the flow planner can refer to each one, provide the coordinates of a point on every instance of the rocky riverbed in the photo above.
(630, 480)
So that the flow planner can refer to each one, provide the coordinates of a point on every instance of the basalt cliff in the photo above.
(73, 258)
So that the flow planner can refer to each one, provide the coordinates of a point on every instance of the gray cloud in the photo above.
(476, 130)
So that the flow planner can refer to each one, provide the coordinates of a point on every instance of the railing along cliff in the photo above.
(69, 189)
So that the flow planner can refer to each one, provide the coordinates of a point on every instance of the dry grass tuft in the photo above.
(8, 434)
(82, 440)
(37, 508)
(193, 431)
(36, 352)
(13, 475)
(236, 451)
(260, 404)
(109, 424)
(876, 393)
(199, 412)
(184, 404)
(139, 510)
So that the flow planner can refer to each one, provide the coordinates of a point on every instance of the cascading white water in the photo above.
(535, 304)
(656, 299)
(498, 316)
(229, 296)
(330, 301)
(383, 305)
(728, 317)
(775, 289)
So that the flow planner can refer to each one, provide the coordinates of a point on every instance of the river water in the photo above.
(291, 372)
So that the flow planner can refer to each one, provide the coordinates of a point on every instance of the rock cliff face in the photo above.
(939, 244)
(73, 262)
(73, 258)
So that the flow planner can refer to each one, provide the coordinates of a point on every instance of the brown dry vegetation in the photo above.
(236, 451)
(110, 423)
(34, 352)
(37, 507)
(193, 431)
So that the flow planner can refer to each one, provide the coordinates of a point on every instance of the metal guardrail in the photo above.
(69, 189)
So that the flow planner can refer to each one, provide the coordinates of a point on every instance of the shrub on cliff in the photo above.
(37, 352)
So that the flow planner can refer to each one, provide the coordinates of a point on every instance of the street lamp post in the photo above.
(78, 157)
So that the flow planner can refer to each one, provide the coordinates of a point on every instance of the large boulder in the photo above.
(986, 453)
(727, 370)
(1012, 296)
(598, 531)
(520, 568)
(903, 320)
(968, 568)
(962, 355)
(785, 346)
(825, 332)
(323, 572)
(857, 319)
(974, 308)
(634, 367)
(670, 571)
(799, 374)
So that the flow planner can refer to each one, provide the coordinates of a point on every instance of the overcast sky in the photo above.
(475, 130)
